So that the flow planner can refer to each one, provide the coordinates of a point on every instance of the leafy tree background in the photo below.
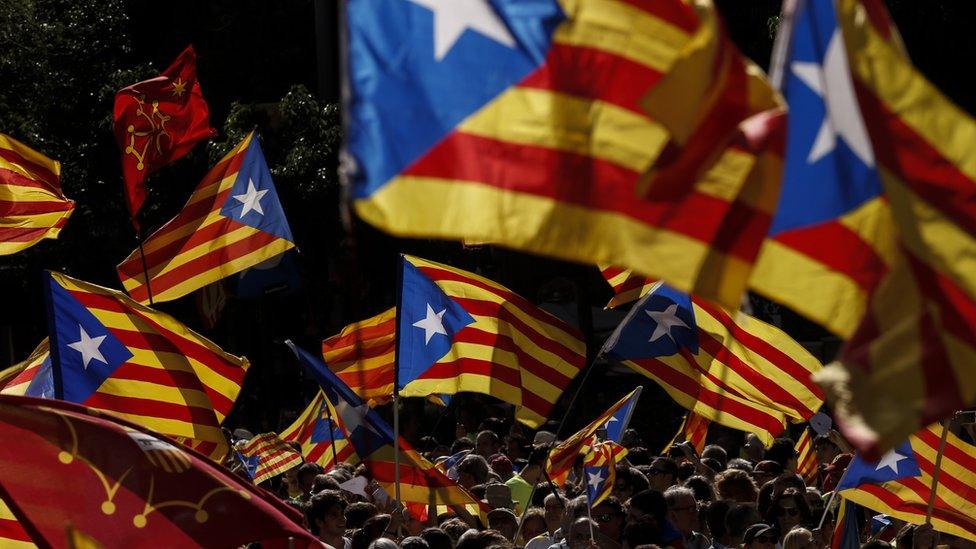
(62, 61)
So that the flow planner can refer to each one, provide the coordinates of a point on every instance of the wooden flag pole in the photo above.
(935, 473)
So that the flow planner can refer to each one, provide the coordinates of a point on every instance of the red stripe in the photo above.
(152, 408)
(678, 14)
(526, 360)
(13, 179)
(361, 336)
(43, 175)
(159, 259)
(918, 508)
(605, 186)
(12, 530)
(692, 362)
(957, 310)
(847, 253)
(340, 360)
(358, 381)
(34, 207)
(694, 389)
(24, 234)
(775, 356)
(933, 177)
(201, 264)
(878, 16)
(948, 481)
(413, 475)
(536, 403)
(453, 368)
(171, 377)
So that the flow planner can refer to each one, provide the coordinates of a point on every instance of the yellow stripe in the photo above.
(962, 356)
(577, 125)
(33, 221)
(873, 223)
(475, 383)
(174, 427)
(175, 362)
(904, 90)
(29, 154)
(166, 394)
(19, 193)
(545, 226)
(621, 29)
(362, 364)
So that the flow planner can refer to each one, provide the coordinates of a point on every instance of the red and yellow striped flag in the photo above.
(311, 431)
(627, 285)
(600, 469)
(910, 362)
(269, 456)
(32, 206)
(806, 458)
(232, 221)
(119, 356)
(362, 356)
(512, 349)
(17, 379)
(12, 534)
(694, 429)
(907, 499)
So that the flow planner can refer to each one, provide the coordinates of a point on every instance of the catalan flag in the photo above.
(31, 377)
(420, 480)
(266, 455)
(806, 458)
(362, 356)
(531, 131)
(232, 221)
(317, 435)
(906, 497)
(627, 285)
(899, 181)
(562, 458)
(32, 206)
(727, 367)
(694, 429)
(458, 331)
(599, 466)
(111, 353)
(12, 534)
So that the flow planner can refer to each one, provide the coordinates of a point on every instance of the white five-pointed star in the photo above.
(609, 421)
(596, 479)
(88, 347)
(890, 460)
(251, 199)
(354, 417)
(665, 320)
(832, 82)
(431, 324)
(453, 17)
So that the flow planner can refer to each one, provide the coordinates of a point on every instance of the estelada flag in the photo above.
(529, 131)
(157, 121)
(318, 435)
(127, 484)
(32, 206)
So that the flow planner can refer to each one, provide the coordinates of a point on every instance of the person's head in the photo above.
(826, 449)
(487, 444)
(649, 503)
(834, 471)
(414, 542)
(502, 466)
(610, 515)
(765, 471)
(739, 518)
(788, 510)
(663, 473)
(498, 495)
(412, 524)
(814, 502)
(473, 539)
(374, 527)
(701, 487)
(358, 513)
(639, 455)
(326, 514)
(716, 452)
(782, 451)
(628, 482)
(579, 533)
(643, 531)
(799, 538)
(305, 476)
(740, 464)
(437, 538)
(575, 508)
(460, 445)
(631, 438)
(682, 509)
(760, 536)
(552, 508)
(715, 520)
(736, 485)
(504, 521)
(534, 524)
(753, 448)
(383, 543)
(324, 482)
(472, 471)
(454, 527)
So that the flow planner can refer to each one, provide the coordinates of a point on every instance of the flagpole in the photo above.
(833, 494)
(396, 381)
(145, 266)
(935, 473)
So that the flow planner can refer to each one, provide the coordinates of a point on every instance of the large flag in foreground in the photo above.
(362, 356)
(369, 434)
(158, 121)
(144, 492)
(531, 129)
(458, 331)
(727, 367)
(111, 353)
(32, 206)
(899, 193)
(318, 435)
(614, 420)
(232, 221)
(900, 483)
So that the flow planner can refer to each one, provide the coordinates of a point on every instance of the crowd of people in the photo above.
(682, 499)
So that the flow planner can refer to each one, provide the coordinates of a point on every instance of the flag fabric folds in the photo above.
(627, 285)
(458, 331)
(111, 353)
(317, 435)
(266, 455)
(372, 438)
(847, 531)
(599, 468)
(727, 367)
(232, 221)
(543, 147)
(32, 206)
(806, 458)
(158, 121)
(32, 377)
(614, 420)
(906, 498)
(362, 356)
(145, 492)
(12, 534)
(694, 429)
